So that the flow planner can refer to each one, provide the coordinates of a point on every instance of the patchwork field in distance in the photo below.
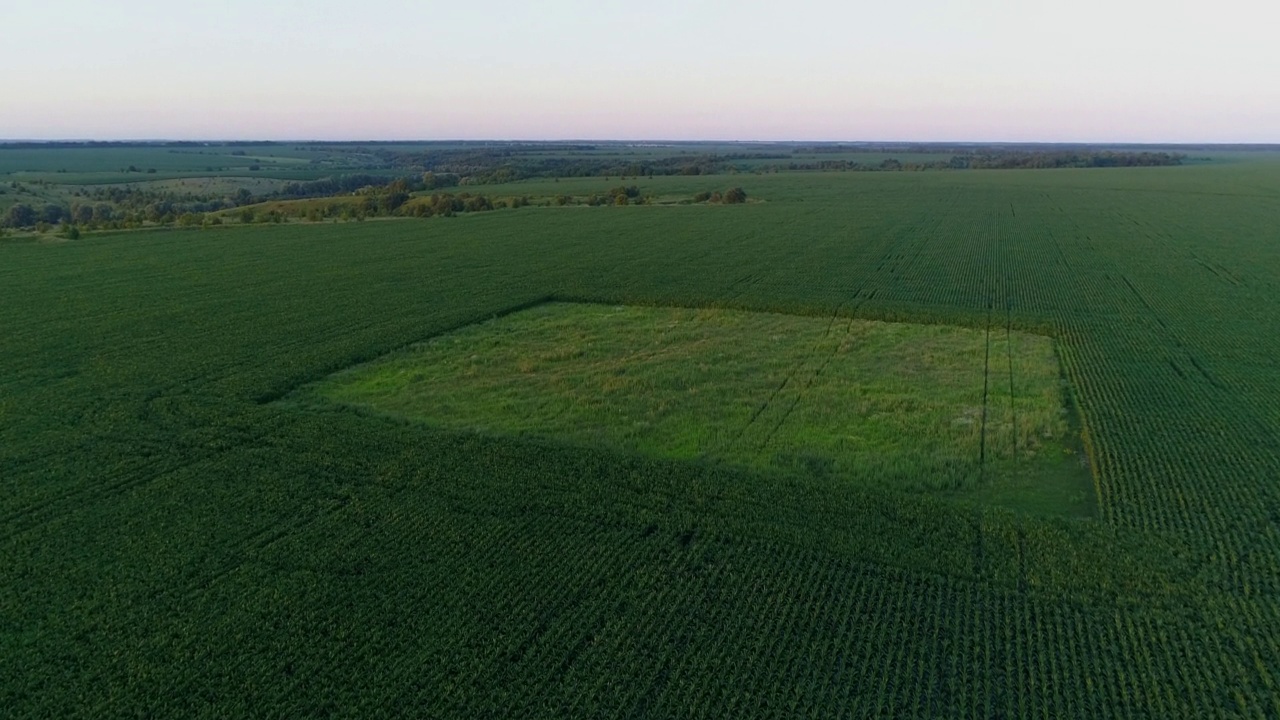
(967, 413)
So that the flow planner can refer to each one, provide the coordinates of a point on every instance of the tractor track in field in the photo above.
(1169, 332)
(804, 390)
(783, 385)
(50, 508)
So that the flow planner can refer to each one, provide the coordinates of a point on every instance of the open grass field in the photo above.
(846, 401)
(182, 536)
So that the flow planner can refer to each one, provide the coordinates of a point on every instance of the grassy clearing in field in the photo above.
(905, 406)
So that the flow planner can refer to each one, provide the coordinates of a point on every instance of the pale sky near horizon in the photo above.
(984, 70)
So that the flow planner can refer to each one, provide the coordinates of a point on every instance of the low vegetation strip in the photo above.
(841, 400)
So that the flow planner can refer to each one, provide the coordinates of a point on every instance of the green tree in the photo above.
(478, 203)
(392, 201)
(54, 214)
(20, 216)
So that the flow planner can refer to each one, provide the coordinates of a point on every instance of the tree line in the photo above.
(503, 164)
(999, 160)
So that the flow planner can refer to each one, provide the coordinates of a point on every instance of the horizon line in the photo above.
(647, 141)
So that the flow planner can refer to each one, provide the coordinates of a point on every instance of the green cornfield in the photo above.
(180, 541)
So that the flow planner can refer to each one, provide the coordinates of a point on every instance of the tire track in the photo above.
(783, 385)
(812, 378)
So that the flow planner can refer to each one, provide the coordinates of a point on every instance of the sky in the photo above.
(924, 70)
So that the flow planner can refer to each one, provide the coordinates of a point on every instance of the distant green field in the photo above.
(182, 539)
(97, 165)
(110, 160)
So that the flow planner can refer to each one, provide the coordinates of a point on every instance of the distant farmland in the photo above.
(223, 498)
